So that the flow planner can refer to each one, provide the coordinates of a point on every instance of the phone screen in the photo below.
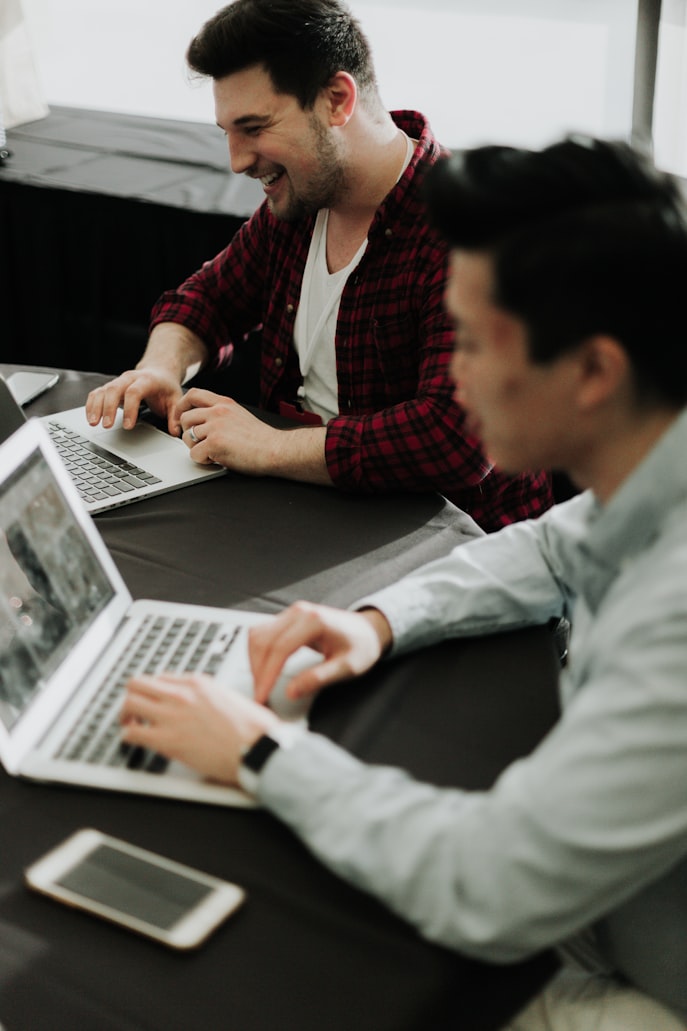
(133, 886)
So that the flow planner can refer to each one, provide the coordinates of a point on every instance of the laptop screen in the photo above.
(52, 585)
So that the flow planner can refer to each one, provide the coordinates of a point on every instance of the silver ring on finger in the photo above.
(192, 435)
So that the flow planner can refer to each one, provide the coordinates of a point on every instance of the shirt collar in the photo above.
(403, 200)
(635, 515)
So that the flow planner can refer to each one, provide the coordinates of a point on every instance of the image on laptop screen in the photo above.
(52, 586)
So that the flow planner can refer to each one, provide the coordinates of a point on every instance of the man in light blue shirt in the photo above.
(566, 286)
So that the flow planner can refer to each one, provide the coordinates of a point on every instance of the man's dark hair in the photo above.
(587, 237)
(301, 43)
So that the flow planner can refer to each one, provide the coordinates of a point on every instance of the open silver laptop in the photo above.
(70, 638)
(112, 467)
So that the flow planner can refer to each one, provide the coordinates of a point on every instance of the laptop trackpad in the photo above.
(138, 442)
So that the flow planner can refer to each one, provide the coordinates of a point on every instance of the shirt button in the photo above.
(388, 233)
(279, 362)
(289, 308)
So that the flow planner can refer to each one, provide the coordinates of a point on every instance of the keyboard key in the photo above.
(92, 465)
(159, 644)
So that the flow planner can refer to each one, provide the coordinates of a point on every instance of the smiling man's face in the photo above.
(273, 139)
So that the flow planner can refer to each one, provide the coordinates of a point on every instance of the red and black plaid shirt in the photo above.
(398, 427)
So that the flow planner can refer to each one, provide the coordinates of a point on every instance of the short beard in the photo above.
(326, 186)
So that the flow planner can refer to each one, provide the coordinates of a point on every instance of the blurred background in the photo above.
(522, 71)
(117, 186)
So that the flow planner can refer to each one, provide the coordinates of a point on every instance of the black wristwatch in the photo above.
(255, 756)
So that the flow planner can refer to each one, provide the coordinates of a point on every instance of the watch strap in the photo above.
(255, 756)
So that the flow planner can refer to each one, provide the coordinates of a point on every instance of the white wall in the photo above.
(521, 71)
(670, 115)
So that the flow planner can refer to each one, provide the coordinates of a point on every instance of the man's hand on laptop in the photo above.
(219, 430)
(156, 386)
(349, 642)
(194, 720)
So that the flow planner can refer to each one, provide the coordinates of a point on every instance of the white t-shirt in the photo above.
(315, 326)
(314, 331)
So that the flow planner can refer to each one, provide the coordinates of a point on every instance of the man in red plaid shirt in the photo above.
(339, 269)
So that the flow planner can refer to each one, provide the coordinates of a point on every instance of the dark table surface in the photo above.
(307, 951)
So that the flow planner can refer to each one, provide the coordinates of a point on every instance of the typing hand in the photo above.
(156, 386)
(219, 430)
(350, 643)
(194, 720)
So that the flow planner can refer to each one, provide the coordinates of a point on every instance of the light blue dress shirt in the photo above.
(590, 831)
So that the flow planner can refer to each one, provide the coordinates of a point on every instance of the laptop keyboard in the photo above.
(161, 644)
(97, 474)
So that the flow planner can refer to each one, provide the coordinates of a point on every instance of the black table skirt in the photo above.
(99, 214)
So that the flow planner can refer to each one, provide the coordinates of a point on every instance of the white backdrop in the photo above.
(21, 98)
(521, 71)
(670, 112)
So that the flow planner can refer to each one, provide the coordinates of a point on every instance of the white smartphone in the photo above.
(167, 901)
(26, 386)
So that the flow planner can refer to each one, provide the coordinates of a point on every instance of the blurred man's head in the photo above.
(566, 285)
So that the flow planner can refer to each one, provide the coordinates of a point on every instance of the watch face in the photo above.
(258, 754)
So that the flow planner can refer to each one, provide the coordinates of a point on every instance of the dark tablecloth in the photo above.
(307, 952)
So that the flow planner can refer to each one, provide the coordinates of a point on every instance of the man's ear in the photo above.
(341, 95)
(604, 371)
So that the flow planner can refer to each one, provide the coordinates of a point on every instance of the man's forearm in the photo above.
(299, 454)
(175, 348)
